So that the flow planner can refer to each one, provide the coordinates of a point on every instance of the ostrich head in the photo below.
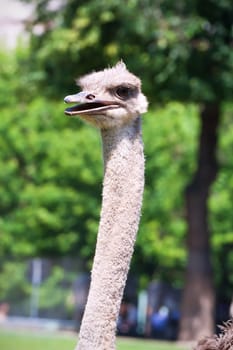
(109, 98)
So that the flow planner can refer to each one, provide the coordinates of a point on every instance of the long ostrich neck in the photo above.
(120, 214)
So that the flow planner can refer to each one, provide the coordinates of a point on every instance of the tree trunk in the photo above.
(198, 303)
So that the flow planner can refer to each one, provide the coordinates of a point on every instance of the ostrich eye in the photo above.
(124, 92)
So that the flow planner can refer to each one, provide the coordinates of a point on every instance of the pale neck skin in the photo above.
(121, 206)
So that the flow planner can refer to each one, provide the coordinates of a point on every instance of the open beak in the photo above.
(85, 105)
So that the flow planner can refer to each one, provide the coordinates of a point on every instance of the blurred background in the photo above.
(181, 278)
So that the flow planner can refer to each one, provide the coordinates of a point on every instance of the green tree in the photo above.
(43, 163)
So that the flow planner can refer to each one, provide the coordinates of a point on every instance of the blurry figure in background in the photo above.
(4, 310)
(127, 320)
(164, 323)
(162, 311)
(159, 322)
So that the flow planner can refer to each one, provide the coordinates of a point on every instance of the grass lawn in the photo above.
(11, 340)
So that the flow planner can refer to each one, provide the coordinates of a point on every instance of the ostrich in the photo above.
(112, 101)
(222, 342)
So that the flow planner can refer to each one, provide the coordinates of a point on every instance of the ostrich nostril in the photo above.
(90, 97)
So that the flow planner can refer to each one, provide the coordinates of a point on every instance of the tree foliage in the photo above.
(182, 48)
(43, 163)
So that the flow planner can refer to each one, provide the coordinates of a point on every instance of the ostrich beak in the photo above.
(77, 98)
(87, 104)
